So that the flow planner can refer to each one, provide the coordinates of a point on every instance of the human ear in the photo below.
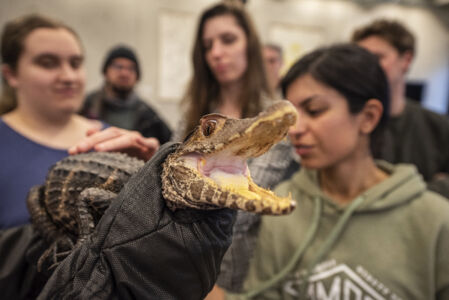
(371, 115)
(9, 75)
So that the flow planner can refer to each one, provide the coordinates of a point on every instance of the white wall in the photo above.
(104, 23)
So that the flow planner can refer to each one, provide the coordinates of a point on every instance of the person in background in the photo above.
(229, 78)
(117, 102)
(44, 78)
(363, 228)
(273, 58)
(414, 134)
(228, 71)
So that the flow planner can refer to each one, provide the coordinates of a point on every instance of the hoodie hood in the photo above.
(403, 185)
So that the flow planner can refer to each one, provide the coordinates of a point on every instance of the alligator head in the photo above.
(209, 170)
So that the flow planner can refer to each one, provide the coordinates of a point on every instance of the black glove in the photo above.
(20, 248)
(142, 250)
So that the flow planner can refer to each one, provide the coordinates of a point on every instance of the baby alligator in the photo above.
(207, 171)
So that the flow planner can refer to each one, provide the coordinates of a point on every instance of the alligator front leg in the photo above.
(92, 202)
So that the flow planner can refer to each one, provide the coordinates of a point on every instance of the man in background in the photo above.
(413, 135)
(273, 59)
(117, 103)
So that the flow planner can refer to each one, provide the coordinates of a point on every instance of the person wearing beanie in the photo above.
(122, 52)
(117, 102)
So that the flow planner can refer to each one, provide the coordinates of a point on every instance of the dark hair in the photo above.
(12, 39)
(352, 71)
(204, 88)
(396, 34)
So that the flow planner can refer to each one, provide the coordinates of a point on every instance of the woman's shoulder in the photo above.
(15, 144)
(434, 205)
(10, 136)
(292, 184)
(85, 124)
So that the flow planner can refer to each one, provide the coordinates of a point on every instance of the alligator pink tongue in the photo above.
(220, 163)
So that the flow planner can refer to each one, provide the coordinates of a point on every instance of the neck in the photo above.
(59, 132)
(274, 85)
(397, 98)
(229, 104)
(39, 121)
(344, 182)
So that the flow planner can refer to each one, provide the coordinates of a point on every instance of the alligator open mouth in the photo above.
(210, 170)
(231, 175)
(228, 172)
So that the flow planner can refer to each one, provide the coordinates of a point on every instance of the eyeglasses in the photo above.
(120, 67)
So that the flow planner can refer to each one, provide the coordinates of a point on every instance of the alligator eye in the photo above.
(209, 127)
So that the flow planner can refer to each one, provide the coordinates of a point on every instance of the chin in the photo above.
(69, 110)
(312, 164)
(225, 80)
(122, 89)
(71, 106)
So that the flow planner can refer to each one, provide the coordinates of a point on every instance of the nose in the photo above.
(68, 73)
(216, 49)
(126, 70)
(300, 126)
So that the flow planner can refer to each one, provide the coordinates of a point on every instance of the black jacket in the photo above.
(420, 137)
(146, 120)
(139, 250)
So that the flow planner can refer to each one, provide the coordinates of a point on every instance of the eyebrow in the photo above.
(53, 55)
(308, 100)
(221, 34)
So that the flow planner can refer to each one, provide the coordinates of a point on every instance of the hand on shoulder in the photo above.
(117, 139)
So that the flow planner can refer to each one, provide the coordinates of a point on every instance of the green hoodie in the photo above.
(392, 242)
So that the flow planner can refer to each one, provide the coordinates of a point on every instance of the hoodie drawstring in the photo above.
(332, 238)
(310, 235)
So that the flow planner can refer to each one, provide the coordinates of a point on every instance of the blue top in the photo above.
(23, 164)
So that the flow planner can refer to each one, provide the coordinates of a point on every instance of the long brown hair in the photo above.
(12, 40)
(204, 88)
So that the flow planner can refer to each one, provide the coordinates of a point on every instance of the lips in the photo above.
(303, 150)
(68, 92)
(220, 68)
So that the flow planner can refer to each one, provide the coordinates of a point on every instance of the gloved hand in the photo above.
(20, 248)
(142, 250)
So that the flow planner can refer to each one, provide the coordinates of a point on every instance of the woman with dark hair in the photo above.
(44, 78)
(362, 227)
(228, 70)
